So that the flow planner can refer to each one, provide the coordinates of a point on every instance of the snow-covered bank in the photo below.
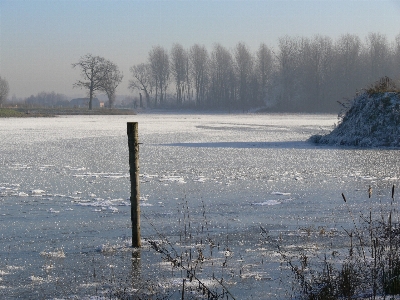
(372, 120)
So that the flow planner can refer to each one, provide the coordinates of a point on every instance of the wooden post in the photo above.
(183, 289)
(133, 143)
(136, 269)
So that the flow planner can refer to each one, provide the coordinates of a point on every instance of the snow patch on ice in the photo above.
(255, 275)
(268, 202)
(58, 253)
(280, 194)
(37, 192)
(36, 278)
(367, 177)
(106, 248)
(200, 179)
(172, 178)
(101, 175)
(11, 267)
(104, 204)
(144, 197)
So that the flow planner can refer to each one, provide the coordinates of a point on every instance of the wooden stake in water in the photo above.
(133, 144)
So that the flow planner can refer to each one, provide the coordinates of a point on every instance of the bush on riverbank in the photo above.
(371, 119)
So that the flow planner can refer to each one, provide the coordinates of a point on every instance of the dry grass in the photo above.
(370, 270)
(383, 85)
(12, 113)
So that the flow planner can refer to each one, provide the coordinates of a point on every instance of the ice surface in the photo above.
(211, 180)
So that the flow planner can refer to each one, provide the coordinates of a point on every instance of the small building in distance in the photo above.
(84, 102)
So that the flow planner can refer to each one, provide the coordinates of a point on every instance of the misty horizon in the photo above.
(302, 74)
(39, 40)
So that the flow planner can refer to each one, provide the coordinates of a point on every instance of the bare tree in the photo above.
(315, 67)
(142, 80)
(111, 79)
(244, 73)
(222, 87)
(4, 90)
(159, 63)
(264, 69)
(396, 59)
(347, 61)
(377, 52)
(288, 60)
(179, 66)
(199, 69)
(92, 71)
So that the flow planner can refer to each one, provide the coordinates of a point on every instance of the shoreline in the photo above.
(22, 112)
(54, 112)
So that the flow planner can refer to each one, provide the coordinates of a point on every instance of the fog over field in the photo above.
(289, 55)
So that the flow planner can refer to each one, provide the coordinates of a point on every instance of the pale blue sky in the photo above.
(40, 39)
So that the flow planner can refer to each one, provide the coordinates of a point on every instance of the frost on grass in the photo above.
(371, 119)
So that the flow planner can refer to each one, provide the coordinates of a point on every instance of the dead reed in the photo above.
(369, 270)
(195, 258)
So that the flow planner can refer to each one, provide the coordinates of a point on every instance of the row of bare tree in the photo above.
(217, 80)
(304, 74)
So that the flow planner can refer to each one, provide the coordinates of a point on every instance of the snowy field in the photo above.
(209, 182)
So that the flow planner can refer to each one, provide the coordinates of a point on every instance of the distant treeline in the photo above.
(48, 99)
(302, 74)
(52, 99)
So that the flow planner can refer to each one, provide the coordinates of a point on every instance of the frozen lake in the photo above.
(208, 182)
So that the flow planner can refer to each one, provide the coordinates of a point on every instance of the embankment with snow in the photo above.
(371, 120)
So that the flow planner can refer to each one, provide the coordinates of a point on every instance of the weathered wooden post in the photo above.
(133, 144)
